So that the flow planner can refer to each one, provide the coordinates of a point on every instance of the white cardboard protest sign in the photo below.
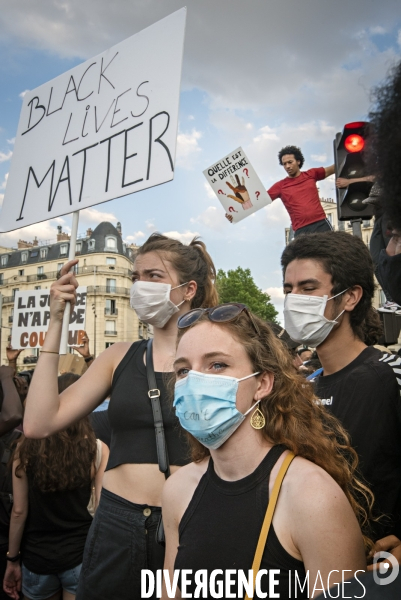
(103, 129)
(237, 186)
(32, 315)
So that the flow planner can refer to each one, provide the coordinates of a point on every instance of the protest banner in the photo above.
(32, 314)
(104, 129)
(237, 186)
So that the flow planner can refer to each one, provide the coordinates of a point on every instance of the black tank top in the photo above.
(221, 526)
(133, 438)
(56, 528)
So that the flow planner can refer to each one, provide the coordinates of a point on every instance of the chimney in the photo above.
(62, 235)
(89, 232)
(23, 244)
(35, 241)
(119, 229)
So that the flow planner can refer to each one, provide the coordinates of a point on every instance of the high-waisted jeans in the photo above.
(121, 542)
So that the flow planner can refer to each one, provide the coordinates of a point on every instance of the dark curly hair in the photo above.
(348, 261)
(64, 460)
(385, 154)
(292, 150)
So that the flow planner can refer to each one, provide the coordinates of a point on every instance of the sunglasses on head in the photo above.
(223, 313)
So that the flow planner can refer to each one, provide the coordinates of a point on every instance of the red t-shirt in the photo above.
(300, 197)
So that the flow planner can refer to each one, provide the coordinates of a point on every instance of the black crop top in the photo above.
(221, 526)
(133, 438)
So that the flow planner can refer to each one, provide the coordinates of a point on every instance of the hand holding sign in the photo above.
(63, 290)
(84, 349)
(12, 354)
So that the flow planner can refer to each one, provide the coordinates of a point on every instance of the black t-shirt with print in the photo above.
(365, 397)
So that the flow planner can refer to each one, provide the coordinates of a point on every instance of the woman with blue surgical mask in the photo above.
(247, 412)
(169, 278)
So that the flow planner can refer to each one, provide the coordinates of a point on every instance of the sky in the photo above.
(257, 74)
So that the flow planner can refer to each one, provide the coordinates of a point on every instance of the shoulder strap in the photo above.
(154, 395)
(269, 517)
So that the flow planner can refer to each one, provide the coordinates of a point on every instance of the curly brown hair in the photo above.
(294, 416)
(64, 460)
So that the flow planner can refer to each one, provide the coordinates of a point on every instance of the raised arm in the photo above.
(329, 170)
(11, 410)
(46, 411)
(342, 182)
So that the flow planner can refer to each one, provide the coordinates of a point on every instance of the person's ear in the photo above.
(352, 297)
(265, 381)
(190, 290)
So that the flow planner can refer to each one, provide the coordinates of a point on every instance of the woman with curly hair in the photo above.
(246, 409)
(54, 480)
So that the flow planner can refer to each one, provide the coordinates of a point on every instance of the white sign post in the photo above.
(32, 314)
(104, 129)
(237, 186)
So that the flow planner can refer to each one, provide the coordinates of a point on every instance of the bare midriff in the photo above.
(142, 484)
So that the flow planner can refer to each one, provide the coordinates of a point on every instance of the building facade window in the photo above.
(21, 272)
(111, 285)
(59, 266)
(40, 271)
(78, 247)
(91, 245)
(110, 307)
(4, 259)
(24, 257)
(111, 243)
(14, 291)
(110, 327)
(1, 278)
(43, 252)
(110, 261)
(63, 249)
(37, 287)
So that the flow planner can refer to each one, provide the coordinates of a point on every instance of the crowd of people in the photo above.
(171, 452)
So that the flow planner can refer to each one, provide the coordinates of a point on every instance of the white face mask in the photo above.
(151, 302)
(304, 318)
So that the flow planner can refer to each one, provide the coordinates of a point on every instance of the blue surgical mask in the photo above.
(206, 407)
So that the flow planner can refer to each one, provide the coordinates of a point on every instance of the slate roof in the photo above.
(99, 235)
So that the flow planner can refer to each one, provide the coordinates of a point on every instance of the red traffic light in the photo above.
(354, 143)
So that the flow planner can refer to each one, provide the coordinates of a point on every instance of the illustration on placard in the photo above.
(237, 186)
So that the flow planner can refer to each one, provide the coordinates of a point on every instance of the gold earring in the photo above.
(258, 420)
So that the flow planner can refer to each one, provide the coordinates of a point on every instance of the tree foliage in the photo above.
(238, 286)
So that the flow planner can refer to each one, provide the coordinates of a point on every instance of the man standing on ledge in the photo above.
(299, 194)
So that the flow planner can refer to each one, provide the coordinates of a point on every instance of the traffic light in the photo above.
(349, 148)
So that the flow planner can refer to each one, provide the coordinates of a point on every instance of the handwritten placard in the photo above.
(32, 315)
(104, 129)
(237, 186)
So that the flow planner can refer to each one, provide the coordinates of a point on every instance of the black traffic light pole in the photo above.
(357, 227)
(350, 164)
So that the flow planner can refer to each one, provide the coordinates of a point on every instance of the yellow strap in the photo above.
(269, 517)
